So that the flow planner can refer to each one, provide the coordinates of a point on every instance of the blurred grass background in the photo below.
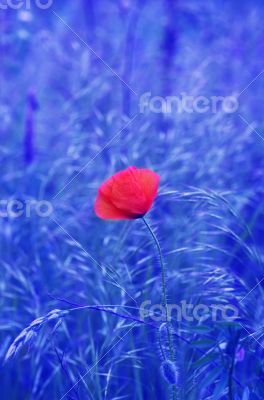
(71, 77)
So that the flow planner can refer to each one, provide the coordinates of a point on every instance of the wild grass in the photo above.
(208, 216)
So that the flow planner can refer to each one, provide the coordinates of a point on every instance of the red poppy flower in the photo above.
(128, 194)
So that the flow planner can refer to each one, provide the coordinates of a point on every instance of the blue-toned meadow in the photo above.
(88, 88)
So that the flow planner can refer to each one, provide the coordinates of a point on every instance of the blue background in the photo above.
(71, 79)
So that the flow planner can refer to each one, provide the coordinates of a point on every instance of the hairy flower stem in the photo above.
(164, 294)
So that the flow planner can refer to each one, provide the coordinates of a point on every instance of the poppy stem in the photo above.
(164, 293)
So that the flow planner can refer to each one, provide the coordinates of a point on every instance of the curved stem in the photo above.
(163, 273)
(164, 293)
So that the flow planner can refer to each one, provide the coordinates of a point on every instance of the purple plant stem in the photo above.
(29, 137)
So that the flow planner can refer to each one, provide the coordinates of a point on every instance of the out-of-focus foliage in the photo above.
(71, 77)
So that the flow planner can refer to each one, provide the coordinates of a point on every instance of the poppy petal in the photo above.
(104, 209)
(149, 181)
(127, 193)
